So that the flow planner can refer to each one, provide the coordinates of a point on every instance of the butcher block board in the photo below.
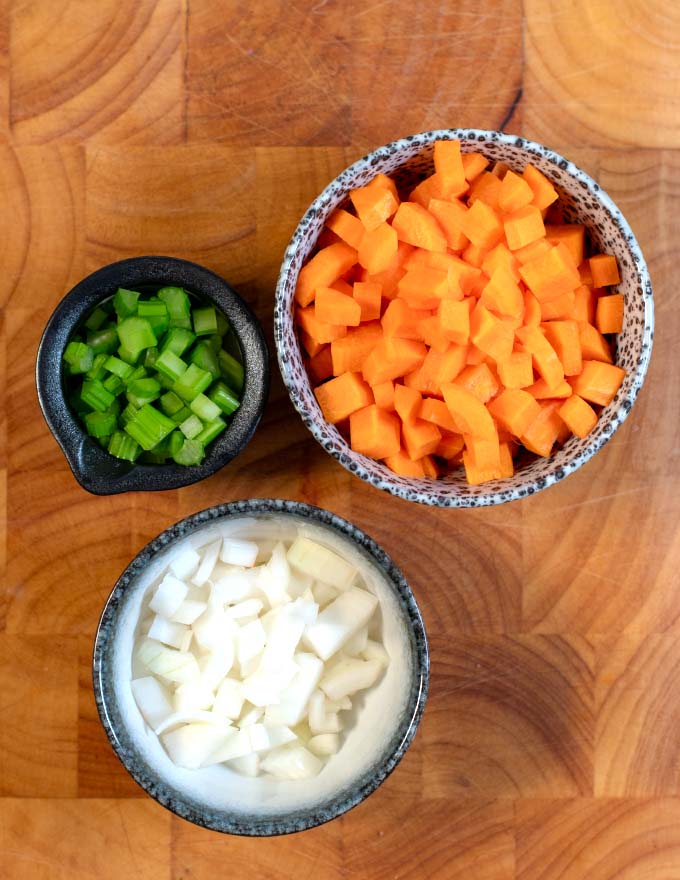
(550, 745)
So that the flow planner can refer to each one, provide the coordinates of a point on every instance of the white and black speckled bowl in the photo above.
(109, 694)
(409, 160)
(96, 470)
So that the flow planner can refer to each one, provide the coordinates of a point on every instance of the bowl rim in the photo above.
(80, 450)
(372, 471)
(307, 817)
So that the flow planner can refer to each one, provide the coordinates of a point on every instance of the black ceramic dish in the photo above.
(96, 470)
(108, 683)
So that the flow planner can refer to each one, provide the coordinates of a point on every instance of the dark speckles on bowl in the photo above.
(401, 730)
(96, 470)
(408, 161)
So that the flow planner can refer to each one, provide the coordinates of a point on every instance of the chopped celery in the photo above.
(143, 391)
(124, 447)
(100, 424)
(204, 408)
(96, 396)
(190, 453)
(96, 319)
(178, 340)
(204, 356)
(191, 427)
(150, 357)
(103, 341)
(192, 382)
(118, 367)
(205, 321)
(170, 365)
(171, 403)
(149, 427)
(125, 302)
(114, 384)
(223, 326)
(97, 370)
(178, 305)
(232, 370)
(181, 415)
(79, 357)
(211, 430)
(224, 397)
(135, 335)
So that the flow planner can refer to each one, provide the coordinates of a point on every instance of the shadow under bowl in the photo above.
(93, 467)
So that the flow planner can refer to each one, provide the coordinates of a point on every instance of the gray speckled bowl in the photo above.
(409, 160)
(111, 696)
(96, 470)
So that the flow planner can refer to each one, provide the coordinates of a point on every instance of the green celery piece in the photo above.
(149, 427)
(204, 356)
(224, 397)
(192, 382)
(151, 308)
(138, 372)
(178, 340)
(118, 367)
(128, 414)
(190, 453)
(143, 391)
(211, 430)
(231, 369)
(215, 341)
(115, 408)
(150, 357)
(181, 415)
(175, 442)
(223, 326)
(159, 324)
(103, 341)
(205, 321)
(122, 446)
(130, 357)
(100, 424)
(165, 382)
(136, 334)
(95, 395)
(204, 408)
(79, 357)
(96, 319)
(178, 305)
(125, 302)
(191, 427)
(171, 403)
(114, 384)
(97, 370)
(170, 365)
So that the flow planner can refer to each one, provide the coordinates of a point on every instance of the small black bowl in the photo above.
(93, 467)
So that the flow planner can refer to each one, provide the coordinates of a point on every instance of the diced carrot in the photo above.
(437, 412)
(430, 466)
(479, 381)
(501, 256)
(382, 180)
(374, 432)
(604, 270)
(378, 248)
(491, 334)
(560, 307)
(514, 193)
(404, 466)
(433, 334)
(320, 367)
(532, 251)
(594, 347)
(564, 338)
(333, 307)
(540, 390)
(585, 274)
(450, 216)
(392, 358)
(546, 361)
(450, 445)
(415, 225)
(369, 296)
(482, 225)
(474, 255)
(507, 466)
(383, 394)
(407, 402)
(514, 410)
(473, 165)
(584, 305)
(340, 397)
(609, 313)
(578, 415)
(476, 475)
(310, 345)
(423, 287)
(420, 438)
(323, 269)
(544, 192)
(598, 382)
(393, 274)
(436, 369)
(448, 165)
(454, 319)
(550, 275)
(532, 310)
(542, 433)
(373, 204)
(342, 286)
(486, 188)
(516, 371)
(502, 294)
(349, 353)
(573, 237)
(320, 331)
(348, 227)
(427, 190)
(485, 454)
(524, 227)
(401, 320)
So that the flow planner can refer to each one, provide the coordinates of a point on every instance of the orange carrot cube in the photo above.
(340, 397)
(374, 205)
(516, 371)
(564, 338)
(604, 270)
(609, 313)
(323, 269)
(348, 227)
(578, 415)
(523, 227)
(378, 248)
(598, 382)
(333, 307)
(374, 432)
(482, 226)
(544, 192)
(369, 296)
(415, 225)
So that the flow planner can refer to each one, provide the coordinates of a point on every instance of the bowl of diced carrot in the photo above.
(463, 318)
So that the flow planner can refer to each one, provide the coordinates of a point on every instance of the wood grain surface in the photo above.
(550, 747)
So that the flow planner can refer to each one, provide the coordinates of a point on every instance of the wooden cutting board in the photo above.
(550, 747)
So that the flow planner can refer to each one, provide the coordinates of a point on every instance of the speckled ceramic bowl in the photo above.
(140, 751)
(409, 160)
(96, 470)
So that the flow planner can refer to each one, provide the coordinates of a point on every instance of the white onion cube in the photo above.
(349, 677)
(274, 577)
(207, 564)
(250, 641)
(193, 695)
(237, 552)
(339, 621)
(167, 632)
(170, 594)
(216, 665)
(265, 737)
(321, 563)
(247, 765)
(375, 651)
(320, 719)
(247, 608)
(152, 699)
(324, 744)
(293, 701)
(356, 644)
(324, 594)
(234, 744)
(167, 662)
(189, 612)
(234, 586)
(188, 746)
(229, 698)
(184, 562)
(291, 762)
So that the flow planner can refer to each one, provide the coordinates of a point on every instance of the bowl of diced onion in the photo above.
(261, 667)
